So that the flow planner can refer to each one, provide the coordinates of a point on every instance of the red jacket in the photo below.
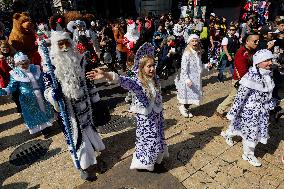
(4, 73)
(243, 60)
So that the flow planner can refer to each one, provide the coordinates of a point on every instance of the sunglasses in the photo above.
(256, 41)
(232, 29)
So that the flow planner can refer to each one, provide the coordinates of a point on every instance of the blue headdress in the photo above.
(145, 49)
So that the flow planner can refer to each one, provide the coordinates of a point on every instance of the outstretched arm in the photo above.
(12, 87)
(125, 82)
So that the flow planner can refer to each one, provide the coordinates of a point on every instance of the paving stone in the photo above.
(232, 155)
(223, 178)
(180, 173)
(200, 159)
(242, 183)
(216, 166)
(256, 170)
(273, 176)
(281, 185)
(200, 180)
(236, 171)
(215, 148)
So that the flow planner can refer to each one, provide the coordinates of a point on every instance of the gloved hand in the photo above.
(2, 92)
(57, 94)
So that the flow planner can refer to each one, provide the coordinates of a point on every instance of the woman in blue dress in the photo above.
(150, 148)
(27, 79)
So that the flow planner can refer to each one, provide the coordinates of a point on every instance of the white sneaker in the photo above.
(228, 139)
(189, 114)
(127, 99)
(252, 160)
(183, 111)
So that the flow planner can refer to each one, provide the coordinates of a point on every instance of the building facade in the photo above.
(156, 7)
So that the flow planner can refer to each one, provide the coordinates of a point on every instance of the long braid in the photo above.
(258, 72)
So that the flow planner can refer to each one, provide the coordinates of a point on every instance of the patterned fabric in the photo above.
(145, 49)
(150, 143)
(191, 69)
(249, 114)
(214, 55)
(81, 119)
(37, 113)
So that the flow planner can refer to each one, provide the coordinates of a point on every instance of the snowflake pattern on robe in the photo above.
(191, 69)
(150, 143)
(249, 114)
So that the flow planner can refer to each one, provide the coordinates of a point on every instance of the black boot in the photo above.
(220, 77)
(87, 175)
(46, 133)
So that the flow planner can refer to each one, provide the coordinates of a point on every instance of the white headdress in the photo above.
(261, 56)
(19, 57)
(191, 37)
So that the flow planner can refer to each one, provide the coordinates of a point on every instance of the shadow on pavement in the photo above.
(11, 124)
(213, 79)
(207, 109)
(19, 185)
(181, 153)
(276, 133)
(7, 169)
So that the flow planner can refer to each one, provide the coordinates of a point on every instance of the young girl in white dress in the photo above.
(150, 146)
(188, 82)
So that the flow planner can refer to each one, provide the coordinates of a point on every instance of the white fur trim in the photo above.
(262, 55)
(191, 37)
(20, 58)
(49, 98)
(188, 101)
(252, 84)
(43, 126)
(58, 36)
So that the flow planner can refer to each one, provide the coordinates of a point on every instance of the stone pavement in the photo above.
(199, 157)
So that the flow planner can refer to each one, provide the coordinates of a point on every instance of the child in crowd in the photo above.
(6, 65)
(249, 114)
(188, 82)
(150, 146)
(27, 79)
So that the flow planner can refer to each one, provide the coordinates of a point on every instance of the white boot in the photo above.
(249, 156)
(189, 114)
(183, 111)
(227, 138)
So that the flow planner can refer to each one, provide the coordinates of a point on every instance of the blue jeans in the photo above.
(121, 58)
(223, 65)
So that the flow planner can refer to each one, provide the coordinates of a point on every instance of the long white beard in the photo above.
(69, 73)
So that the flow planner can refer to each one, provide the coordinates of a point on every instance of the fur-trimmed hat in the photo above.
(191, 37)
(262, 55)
(19, 57)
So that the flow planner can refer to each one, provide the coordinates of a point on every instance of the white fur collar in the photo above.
(252, 80)
(20, 75)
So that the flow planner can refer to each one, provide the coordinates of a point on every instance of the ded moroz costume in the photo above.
(79, 100)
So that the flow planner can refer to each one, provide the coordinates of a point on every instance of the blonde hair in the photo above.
(142, 77)
(198, 50)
